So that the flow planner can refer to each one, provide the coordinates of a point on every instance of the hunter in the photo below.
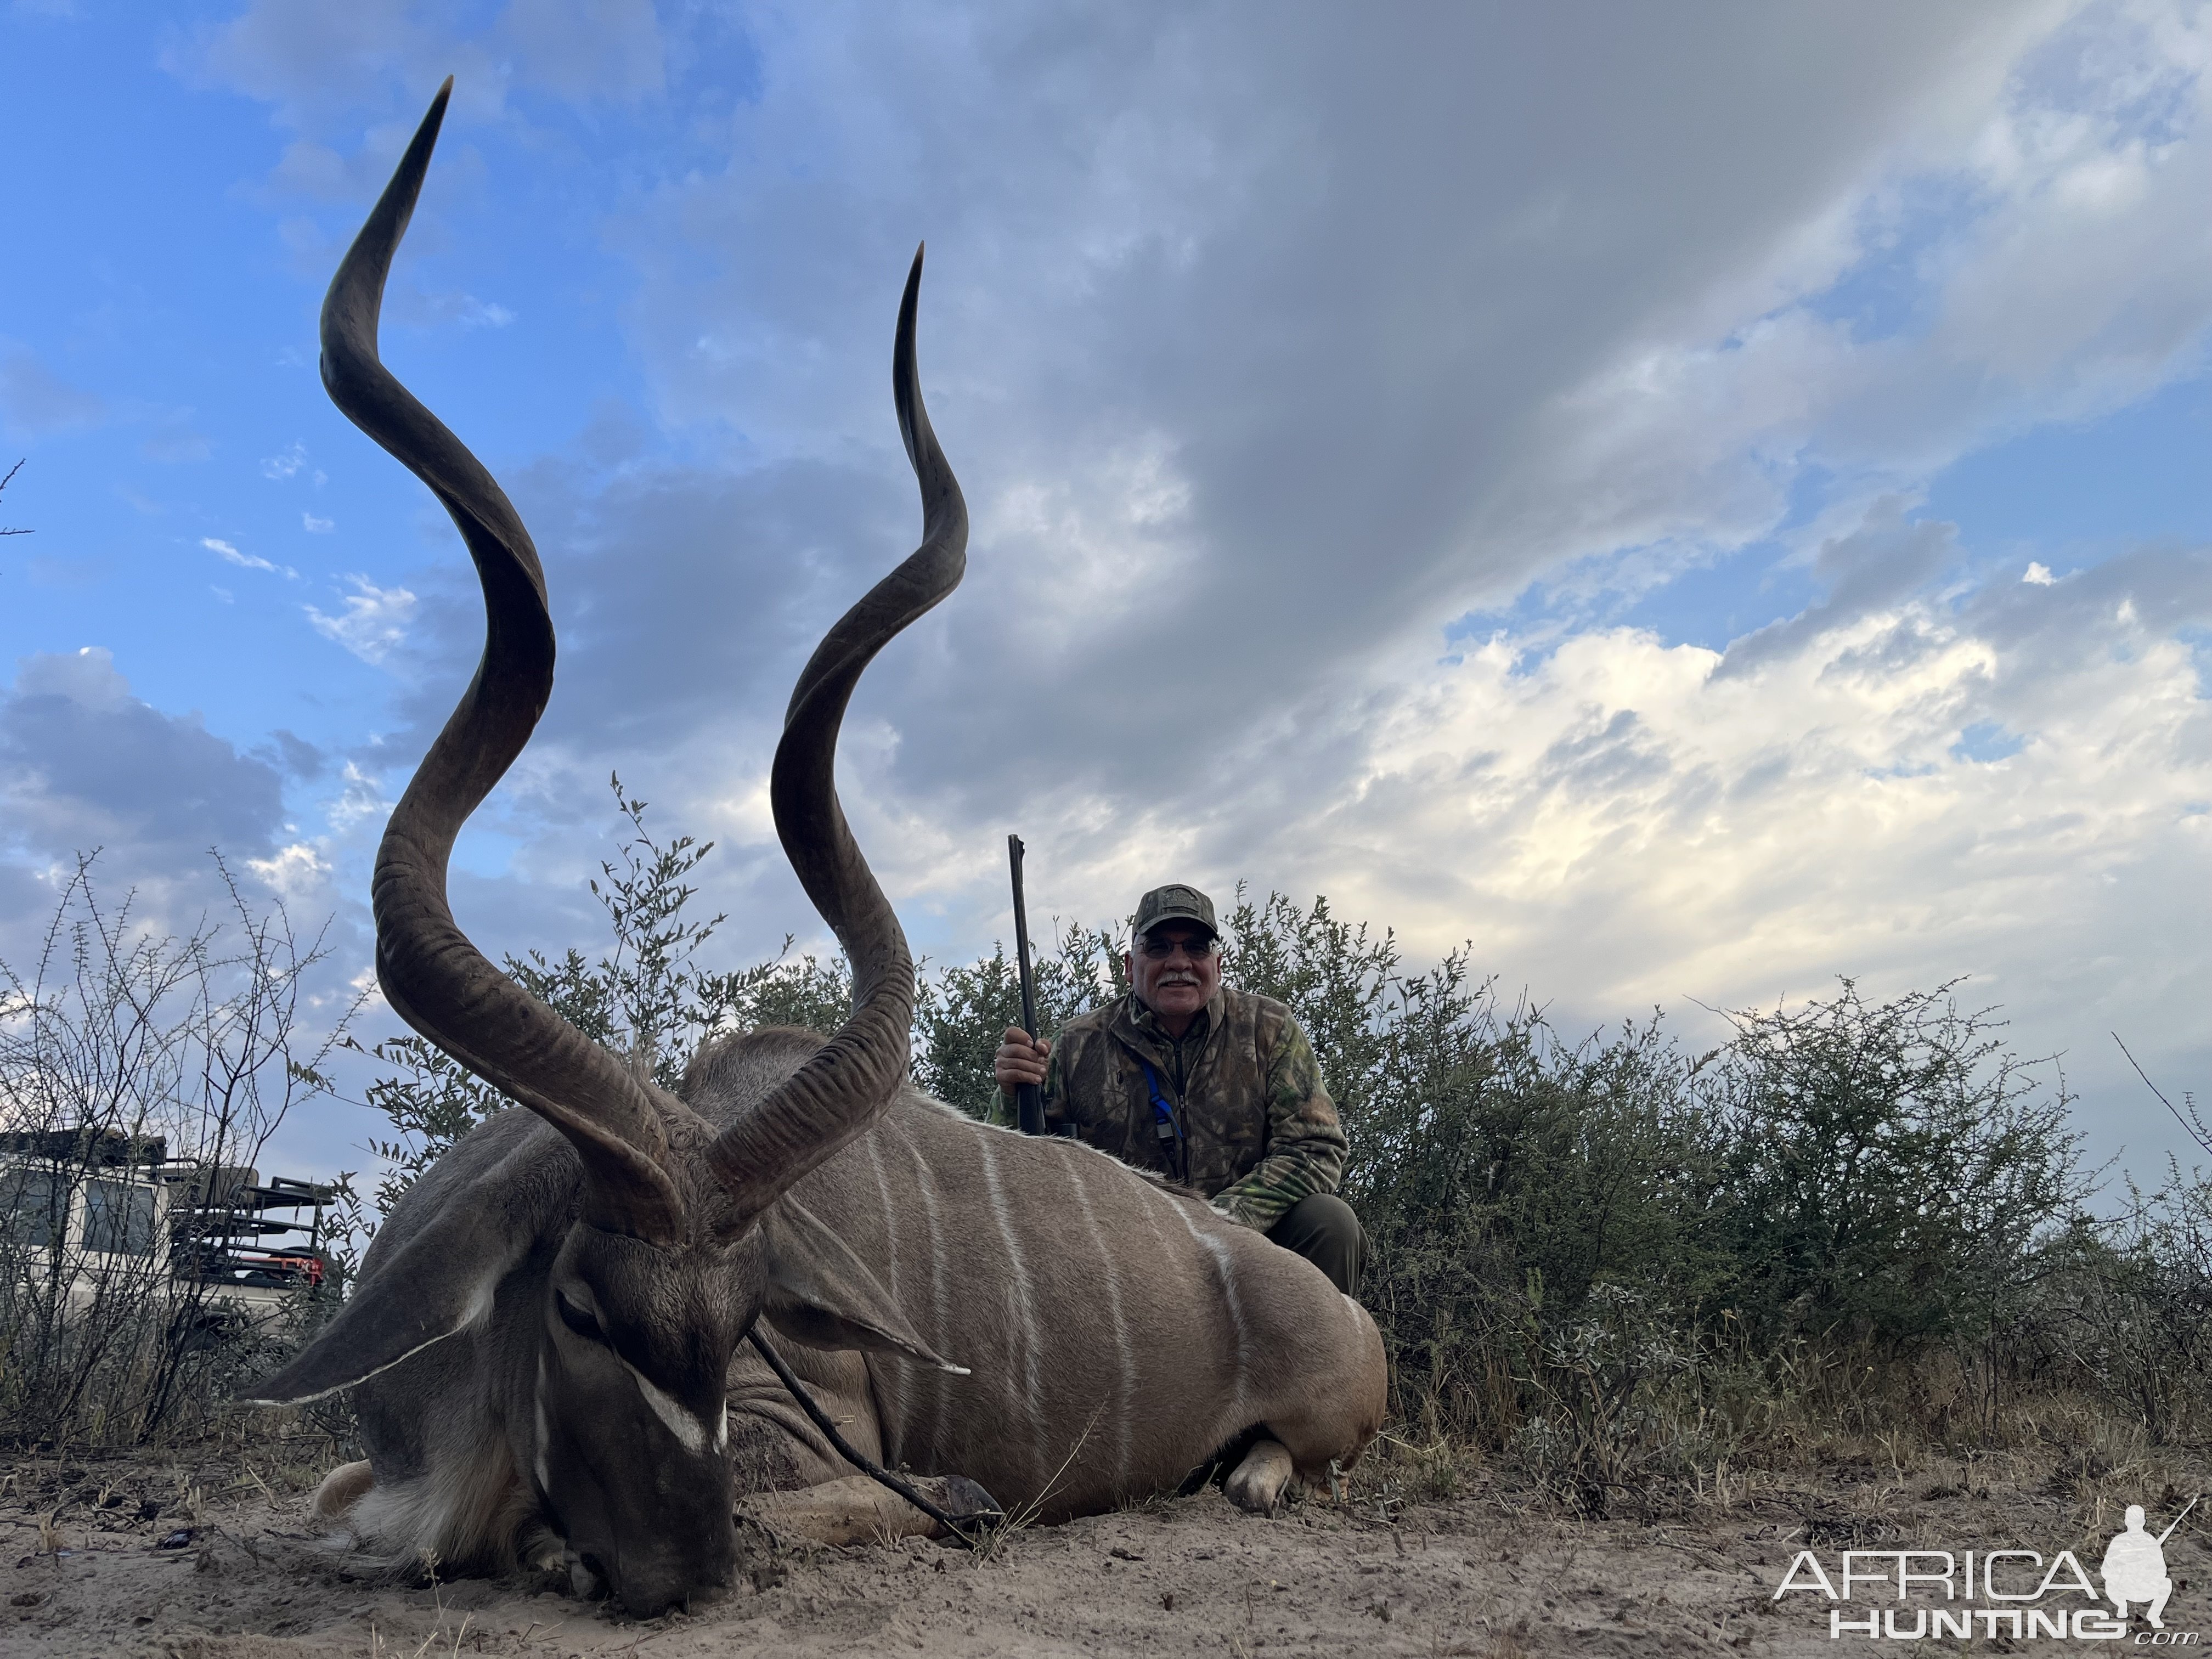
(1216, 1089)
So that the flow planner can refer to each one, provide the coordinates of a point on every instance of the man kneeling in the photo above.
(1213, 1088)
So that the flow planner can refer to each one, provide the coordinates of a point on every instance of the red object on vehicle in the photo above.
(309, 1267)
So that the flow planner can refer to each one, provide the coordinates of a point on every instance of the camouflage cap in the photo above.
(1173, 902)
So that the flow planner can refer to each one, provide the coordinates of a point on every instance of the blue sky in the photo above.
(1692, 503)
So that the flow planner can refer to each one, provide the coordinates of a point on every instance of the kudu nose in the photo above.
(649, 1585)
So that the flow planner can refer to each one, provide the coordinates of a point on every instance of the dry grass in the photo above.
(2068, 1446)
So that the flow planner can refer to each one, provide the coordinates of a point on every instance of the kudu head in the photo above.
(652, 1240)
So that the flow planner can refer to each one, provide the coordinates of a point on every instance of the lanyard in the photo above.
(1167, 1124)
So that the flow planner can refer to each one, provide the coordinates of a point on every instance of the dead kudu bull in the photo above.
(545, 1340)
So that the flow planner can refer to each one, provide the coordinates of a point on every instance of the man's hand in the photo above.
(1021, 1059)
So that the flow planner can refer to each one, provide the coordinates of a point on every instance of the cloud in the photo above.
(416, 309)
(173, 440)
(1873, 566)
(84, 762)
(286, 464)
(1228, 388)
(1619, 816)
(34, 403)
(89, 766)
(587, 49)
(472, 313)
(373, 622)
(230, 555)
(294, 873)
(315, 526)
(1228, 391)
(323, 66)
(301, 759)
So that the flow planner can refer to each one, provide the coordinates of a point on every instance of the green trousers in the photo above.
(1321, 1228)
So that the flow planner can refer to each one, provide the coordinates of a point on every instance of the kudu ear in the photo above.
(439, 1282)
(822, 1296)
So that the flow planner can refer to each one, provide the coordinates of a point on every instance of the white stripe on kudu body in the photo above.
(940, 1329)
(891, 1216)
(1224, 1275)
(1080, 1175)
(1024, 1392)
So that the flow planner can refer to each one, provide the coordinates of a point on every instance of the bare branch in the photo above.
(2198, 1130)
(4, 483)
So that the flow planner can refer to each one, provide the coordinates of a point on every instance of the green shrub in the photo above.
(1893, 1171)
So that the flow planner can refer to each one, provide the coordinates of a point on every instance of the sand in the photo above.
(128, 1557)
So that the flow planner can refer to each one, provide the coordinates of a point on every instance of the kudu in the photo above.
(545, 1337)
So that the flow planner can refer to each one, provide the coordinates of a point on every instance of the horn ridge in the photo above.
(842, 1089)
(435, 978)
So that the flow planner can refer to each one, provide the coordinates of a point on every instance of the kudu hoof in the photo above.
(972, 1508)
(341, 1488)
(1257, 1483)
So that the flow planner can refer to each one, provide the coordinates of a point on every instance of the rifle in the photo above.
(1031, 1097)
(2177, 1520)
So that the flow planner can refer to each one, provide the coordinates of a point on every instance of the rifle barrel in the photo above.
(2177, 1520)
(1031, 1097)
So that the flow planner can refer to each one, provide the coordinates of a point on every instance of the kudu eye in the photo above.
(582, 1321)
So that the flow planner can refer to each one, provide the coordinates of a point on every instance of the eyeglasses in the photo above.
(1159, 950)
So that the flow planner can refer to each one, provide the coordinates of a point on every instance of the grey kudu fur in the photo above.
(545, 1337)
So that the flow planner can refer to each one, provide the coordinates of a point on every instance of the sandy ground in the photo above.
(123, 1558)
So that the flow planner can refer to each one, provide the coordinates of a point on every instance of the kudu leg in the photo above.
(1258, 1482)
(858, 1510)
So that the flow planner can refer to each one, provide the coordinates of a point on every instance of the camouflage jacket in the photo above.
(1259, 1131)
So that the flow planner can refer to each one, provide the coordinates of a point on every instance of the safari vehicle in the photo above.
(84, 1211)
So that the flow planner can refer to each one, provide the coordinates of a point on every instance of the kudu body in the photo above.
(545, 1338)
(1116, 1331)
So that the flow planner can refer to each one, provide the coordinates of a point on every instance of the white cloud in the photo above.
(359, 801)
(230, 555)
(285, 465)
(1617, 817)
(460, 309)
(2037, 573)
(373, 622)
(472, 312)
(315, 526)
(294, 873)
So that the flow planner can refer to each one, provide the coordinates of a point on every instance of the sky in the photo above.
(1689, 503)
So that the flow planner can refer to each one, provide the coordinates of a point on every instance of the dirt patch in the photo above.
(128, 1558)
